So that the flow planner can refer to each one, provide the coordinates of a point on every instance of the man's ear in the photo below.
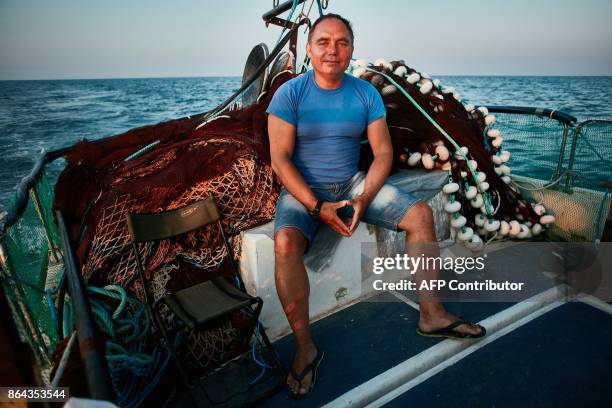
(308, 49)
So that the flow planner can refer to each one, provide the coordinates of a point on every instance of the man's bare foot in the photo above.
(429, 322)
(303, 357)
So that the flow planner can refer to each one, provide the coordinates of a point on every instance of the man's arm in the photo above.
(282, 143)
(380, 142)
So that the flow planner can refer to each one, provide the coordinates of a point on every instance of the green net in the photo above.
(567, 169)
(537, 144)
(592, 162)
(33, 272)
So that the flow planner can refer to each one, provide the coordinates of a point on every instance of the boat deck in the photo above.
(542, 347)
(554, 354)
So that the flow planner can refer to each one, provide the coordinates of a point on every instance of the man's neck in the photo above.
(325, 82)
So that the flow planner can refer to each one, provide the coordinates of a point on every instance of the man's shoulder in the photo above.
(296, 82)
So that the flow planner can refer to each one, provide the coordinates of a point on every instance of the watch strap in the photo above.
(317, 209)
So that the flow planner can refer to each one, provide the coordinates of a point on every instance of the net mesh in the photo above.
(536, 144)
(577, 213)
(592, 164)
(33, 273)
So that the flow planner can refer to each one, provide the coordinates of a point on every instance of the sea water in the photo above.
(37, 115)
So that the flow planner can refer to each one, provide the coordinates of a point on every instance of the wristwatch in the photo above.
(314, 213)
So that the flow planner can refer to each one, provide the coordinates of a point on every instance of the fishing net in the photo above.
(540, 145)
(568, 170)
(33, 272)
(591, 166)
(159, 168)
(580, 214)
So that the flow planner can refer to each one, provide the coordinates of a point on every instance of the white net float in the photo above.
(477, 201)
(497, 142)
(505, 169)
(461, 153)
(475, 243)
(489, 120)
(479, 220)
(450, 188)
(493, 133)
(388, 90)
(471, 192)
(361, 63)
(400, 71)
(414, 159)
(442, 152)
(380, 62)
(427, 161)
(515, 228)
(458, 222)
(539, 209)
(536, 229)
(413, 78)
(359, 72)
(465, 233)
(504, 156)
(547, 219)
(452, 207)
(426, 86)
(525, 232)
(504, 228)
(492, 225)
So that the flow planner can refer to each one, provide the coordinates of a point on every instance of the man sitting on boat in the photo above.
(315, 122)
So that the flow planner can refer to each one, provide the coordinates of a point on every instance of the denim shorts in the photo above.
(386, 209)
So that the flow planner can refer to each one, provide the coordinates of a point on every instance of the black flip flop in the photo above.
(312, 367)
(449, 333)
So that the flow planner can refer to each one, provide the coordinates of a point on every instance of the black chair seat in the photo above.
(206, 301)
(198, 305)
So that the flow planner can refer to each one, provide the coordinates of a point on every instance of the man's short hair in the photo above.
(324, 17)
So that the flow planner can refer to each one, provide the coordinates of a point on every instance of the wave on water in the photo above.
(53, 114)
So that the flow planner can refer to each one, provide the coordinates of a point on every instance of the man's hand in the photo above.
(359, 204)
(329, 215)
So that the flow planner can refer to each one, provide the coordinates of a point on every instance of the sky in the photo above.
(74, 39)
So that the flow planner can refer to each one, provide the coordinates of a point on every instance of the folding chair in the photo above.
(202, 303)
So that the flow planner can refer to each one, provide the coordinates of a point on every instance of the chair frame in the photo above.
(146, 227)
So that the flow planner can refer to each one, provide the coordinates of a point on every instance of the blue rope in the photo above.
(293, 6)
(262, 364)
(320, 8)
(51, 303)
(142, 151)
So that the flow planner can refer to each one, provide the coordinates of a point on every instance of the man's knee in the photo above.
(289, 242)
(419, 216)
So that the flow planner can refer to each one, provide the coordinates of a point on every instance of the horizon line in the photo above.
(239, 76)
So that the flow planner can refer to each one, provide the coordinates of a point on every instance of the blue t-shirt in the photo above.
(329, 124)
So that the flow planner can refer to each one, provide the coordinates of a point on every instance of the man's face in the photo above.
(330, 48)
